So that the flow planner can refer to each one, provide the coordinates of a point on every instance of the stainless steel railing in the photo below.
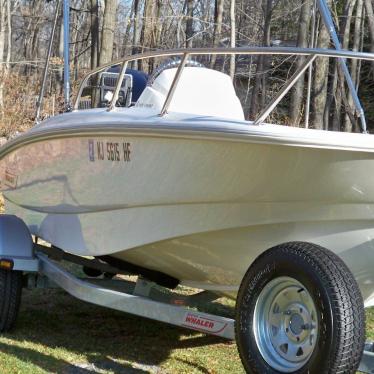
(312, 54)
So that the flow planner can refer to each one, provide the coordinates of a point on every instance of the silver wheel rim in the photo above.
(285, 324)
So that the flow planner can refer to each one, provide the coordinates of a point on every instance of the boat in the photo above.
(192, 194)
(179, 188)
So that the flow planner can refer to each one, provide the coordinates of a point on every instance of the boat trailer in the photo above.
(142, 298)
(41, 268)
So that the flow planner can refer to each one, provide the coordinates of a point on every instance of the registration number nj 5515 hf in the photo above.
(110, 151)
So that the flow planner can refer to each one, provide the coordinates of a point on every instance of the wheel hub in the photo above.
(296, 323)
(285, 324)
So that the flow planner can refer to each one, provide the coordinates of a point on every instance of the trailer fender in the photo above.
(16, 243)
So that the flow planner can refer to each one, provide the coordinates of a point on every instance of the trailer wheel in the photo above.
(10, 297)
(299, 310)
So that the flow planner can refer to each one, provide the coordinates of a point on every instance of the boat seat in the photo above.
(200, 91)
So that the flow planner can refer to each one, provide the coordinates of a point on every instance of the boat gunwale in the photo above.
(182, 130)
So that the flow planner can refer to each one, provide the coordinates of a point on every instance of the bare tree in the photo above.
(139, 25)
(302, 42)
(232, 37)
(320, 81)
(147, 37)
(9, 40)
(94, 33)
(107, 33)
(370, 18)
(337, 85)
(218, 15)
(189, 23)
(136, 30)
(259, 90)
(2, 47)
(348, 125)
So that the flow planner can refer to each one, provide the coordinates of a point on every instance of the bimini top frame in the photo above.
(310, 53)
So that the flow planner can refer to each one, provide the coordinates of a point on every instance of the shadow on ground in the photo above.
(58, 333)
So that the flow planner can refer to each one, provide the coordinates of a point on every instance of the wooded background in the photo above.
(108, 29)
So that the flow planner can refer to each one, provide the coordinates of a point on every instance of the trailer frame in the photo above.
(42, 268)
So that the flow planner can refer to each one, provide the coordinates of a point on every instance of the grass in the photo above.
(56, 333)
(370, 324)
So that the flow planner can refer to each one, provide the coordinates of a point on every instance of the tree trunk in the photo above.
(147, 35)
(370, 18)
(206, 11)
(259, 91)
(60, 73)
(9, 24)
(189, 23)
(136, 32)
(107, 32)
(158, 40)
(336, 87)
(232, 38)
(2, 52)
(302, 42)
(126, 40)
(320, 79)
(147, 38)
(217, 27)
(94, 33)
(348, 125)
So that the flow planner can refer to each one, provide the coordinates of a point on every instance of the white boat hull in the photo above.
(198, 207)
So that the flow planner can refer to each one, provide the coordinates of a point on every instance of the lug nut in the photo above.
(308, 326)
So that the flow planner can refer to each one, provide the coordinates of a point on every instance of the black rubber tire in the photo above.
(10, 298)
(335, 293)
